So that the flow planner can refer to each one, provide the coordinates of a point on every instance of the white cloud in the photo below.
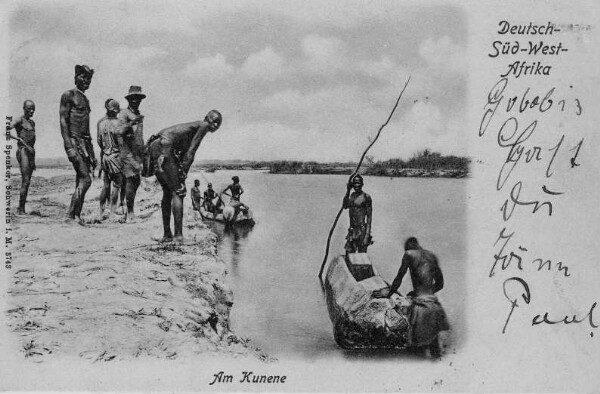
(334, 87)
(443, 54)
(381, 69)
(334, 110)
(425, 118)
(278, 141)
(266, 64)
(215, 67)
(324, 55)
(285, 101)
(423, 126)
(340, 13)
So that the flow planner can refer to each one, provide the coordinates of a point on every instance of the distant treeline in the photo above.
(310, 167)
(423, 164)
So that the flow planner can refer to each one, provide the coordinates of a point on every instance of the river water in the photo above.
(278, 300)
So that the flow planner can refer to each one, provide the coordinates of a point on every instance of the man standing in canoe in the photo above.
(169, 155)
(427, 315)
(360, 209)
(132, 130)
(75, 130)
(236, 194)
(109, 142)
(25, 128)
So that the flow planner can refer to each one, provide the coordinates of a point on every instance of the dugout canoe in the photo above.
(244, 217)
(359, 320)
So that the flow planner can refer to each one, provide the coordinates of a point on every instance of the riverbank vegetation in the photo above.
(425, 163)
(422, 164)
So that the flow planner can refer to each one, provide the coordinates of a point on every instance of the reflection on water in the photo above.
(274, 266)
(231, 243)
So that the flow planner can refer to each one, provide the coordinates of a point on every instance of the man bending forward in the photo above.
(170, 154)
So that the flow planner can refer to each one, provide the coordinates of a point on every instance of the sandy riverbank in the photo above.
(105, 291)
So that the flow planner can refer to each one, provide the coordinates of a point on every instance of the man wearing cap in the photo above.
(236, 194)
(109, 142)
(170, 154)
(360, 209)
(131, 129)
(25, 128)
(75, 130)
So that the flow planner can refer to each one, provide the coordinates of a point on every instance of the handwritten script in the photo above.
(516, 111)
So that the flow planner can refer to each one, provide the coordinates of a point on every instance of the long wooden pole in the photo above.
(337, 217)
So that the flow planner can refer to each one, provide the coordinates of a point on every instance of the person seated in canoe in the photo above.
(169, 154)
(236, 192)
(209, 197)
(360, 209)
(427, 315)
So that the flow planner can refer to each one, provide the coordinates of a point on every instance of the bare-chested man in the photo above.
(196, 196)
(236, 191)
(360, 208)
(209, 197)
(427, 316)
(132, 151)
(25, 129)
(110, 142)
(75, 131)
(170, 154)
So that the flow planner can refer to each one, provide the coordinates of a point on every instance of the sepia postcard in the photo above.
(300, 196)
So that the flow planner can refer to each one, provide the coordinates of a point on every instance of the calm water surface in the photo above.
(278, 301)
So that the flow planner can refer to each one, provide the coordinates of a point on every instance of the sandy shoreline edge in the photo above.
(105, 291)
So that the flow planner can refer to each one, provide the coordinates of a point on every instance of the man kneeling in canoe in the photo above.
(427, 315)
(169, 155)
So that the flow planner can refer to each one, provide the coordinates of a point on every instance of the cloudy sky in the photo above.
(303, 80)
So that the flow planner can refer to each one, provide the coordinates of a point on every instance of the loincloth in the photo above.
(22, 151)
(172, 166)
(152, 152)
(427, 319)
(111, 163)
(355, 237)
(83, 147)
(132, 165)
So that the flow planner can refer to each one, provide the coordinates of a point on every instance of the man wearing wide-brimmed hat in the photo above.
(75, 131)
(131, 129)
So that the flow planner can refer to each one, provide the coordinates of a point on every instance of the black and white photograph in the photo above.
(315, 196)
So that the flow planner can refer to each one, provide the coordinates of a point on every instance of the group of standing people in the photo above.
(124, 158)
(121, 141)
(120, 138)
